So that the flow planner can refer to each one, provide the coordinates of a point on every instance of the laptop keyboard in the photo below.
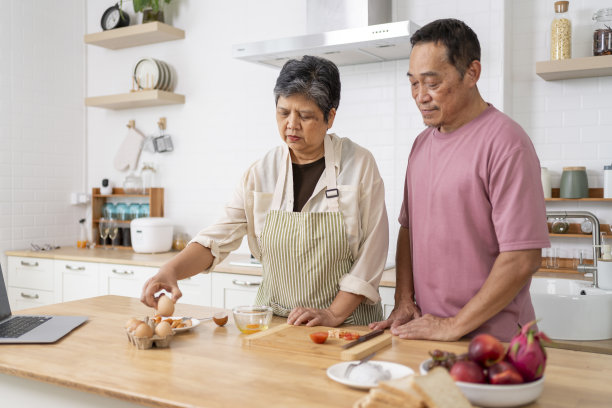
(18, 325)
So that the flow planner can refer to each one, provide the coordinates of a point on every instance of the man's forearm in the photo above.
(510, 272)
(404, 283)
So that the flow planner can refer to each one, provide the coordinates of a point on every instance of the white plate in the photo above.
(501, 396)
(194, 323)
(336, 373)
(144, 67)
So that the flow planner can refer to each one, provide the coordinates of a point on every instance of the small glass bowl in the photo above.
(252, 319)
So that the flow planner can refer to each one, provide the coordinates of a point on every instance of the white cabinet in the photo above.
(230, 290)
(387, 295)
(75, 280)
(196, 290)
(124, 280)
(30, 282)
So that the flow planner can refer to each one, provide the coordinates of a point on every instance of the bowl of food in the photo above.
(490, 395)
(252, 319)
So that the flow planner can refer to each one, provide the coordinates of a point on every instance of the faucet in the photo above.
(596, 238)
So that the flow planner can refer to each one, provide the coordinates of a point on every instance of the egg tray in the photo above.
(143, 343)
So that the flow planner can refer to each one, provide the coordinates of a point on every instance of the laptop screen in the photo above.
(5, 308)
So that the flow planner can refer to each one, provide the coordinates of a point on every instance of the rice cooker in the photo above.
(151, 234)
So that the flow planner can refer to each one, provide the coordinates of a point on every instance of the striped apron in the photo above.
(305, 255)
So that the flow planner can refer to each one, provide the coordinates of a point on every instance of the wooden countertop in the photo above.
(208, 366)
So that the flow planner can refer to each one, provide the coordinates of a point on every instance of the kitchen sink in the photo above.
(569, 309)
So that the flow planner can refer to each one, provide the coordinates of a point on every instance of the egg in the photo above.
(134, 325)
(163, 329)
(132, 322)
(220, 318)
(165, 306)
(143, 330)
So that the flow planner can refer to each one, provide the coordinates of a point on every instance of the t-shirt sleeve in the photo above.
(517, 200)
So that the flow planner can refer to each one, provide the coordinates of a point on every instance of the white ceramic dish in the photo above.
(499, 396)
(336, 373)
(194, 323)
(146, 69)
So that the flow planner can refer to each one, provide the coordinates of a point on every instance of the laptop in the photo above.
(32, 328)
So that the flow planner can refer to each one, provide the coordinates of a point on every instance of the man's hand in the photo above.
(428, 327)
(400, 315)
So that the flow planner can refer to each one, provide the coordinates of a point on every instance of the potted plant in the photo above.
(150, 9)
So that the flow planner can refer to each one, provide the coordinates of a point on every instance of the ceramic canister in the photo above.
(604, 274)
(546, 184)
(574, 183)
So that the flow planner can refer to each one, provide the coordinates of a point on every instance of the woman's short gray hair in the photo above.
(316, 78)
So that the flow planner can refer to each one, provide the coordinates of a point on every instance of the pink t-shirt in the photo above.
(469, 195)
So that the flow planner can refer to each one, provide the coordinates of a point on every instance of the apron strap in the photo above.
(331, 191)
(330, 175)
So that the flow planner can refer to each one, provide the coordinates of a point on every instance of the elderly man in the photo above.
(473, 219)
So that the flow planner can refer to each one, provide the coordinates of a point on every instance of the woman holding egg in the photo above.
(312, 209)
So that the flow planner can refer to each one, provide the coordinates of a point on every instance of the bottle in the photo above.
(602, 32)
(82, 242)
(607, 181)
(546, 184)
(561, 33)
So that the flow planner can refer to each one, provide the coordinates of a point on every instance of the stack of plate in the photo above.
(150, 73)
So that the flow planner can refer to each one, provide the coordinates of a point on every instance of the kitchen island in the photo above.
(208, 367)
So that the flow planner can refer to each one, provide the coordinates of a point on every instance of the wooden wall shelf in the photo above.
(595, 194)
(586, 67)
(140, 99)
(135, 35)
(574, 231)
(153, 196)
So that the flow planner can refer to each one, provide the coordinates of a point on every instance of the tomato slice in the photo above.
(319, 337)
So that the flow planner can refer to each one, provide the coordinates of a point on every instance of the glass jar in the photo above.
(108, 210)
(602, 32)
(561, 33)
(133, 184)
(143, 211)
(148, 175)
(133, 211)
(121, 211)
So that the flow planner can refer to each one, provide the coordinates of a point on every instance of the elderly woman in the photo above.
(313, 210)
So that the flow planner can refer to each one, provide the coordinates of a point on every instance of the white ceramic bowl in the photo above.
(487, 395)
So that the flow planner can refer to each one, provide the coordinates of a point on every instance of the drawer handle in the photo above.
(32, 264)
(25, 295)
(123, 272)
(75, 268)
(245, 283)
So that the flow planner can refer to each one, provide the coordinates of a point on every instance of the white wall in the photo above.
(228, 119)
(42, 121)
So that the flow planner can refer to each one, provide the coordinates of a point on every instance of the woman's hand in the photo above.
(164, 279)
(313, 317)
(401, 314)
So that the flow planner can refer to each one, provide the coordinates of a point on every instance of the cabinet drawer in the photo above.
(33, 273)
(124, 280)
(22, 298)
(75, 280)
(230, 290)
(387, 295)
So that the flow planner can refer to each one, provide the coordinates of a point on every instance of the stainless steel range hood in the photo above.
(348, 46)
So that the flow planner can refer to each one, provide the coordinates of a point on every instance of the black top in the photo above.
(305, 178)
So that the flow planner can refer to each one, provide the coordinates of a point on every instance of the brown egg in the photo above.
(220, 318)
(165, 306)
(134, 325)
(131, 322)
(163, 329)
(143, 330)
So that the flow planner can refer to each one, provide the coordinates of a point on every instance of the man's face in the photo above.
(437, 87)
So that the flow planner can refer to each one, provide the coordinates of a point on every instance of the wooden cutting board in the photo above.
(296, 339)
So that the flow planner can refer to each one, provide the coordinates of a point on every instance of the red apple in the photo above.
(467, 371)
(504, 373)
(485, 350)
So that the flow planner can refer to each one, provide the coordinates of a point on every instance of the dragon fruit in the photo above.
(527, 353)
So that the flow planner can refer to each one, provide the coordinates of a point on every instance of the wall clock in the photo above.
(114, 17)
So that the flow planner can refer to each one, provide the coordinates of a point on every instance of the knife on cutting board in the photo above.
(363, 338)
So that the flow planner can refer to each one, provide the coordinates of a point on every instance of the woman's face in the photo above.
(302, 126)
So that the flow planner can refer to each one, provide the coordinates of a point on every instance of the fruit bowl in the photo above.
(487, 395)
